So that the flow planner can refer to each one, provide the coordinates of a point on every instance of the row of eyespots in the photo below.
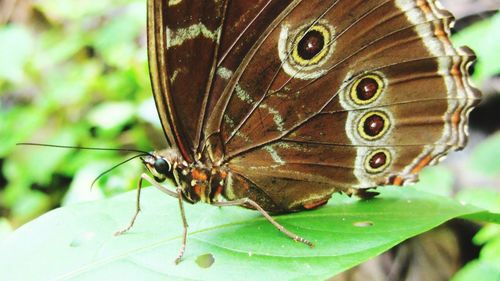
(373, 125)
(310, 47)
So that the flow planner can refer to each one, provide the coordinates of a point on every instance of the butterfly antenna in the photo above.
(116, 166)
(143, 153)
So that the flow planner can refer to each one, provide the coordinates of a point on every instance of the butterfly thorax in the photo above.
(196, 181)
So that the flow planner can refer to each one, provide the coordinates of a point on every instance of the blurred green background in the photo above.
(72, 73)
(75, 73)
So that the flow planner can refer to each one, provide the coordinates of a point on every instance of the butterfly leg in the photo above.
(185, 226)
(177, 195)
(246, 201)
(137, 209)
(138, 205)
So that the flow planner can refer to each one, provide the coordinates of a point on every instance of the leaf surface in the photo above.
(77, 243)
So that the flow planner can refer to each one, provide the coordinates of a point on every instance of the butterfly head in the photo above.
(169, 165)
(161, 165)
(196, 182)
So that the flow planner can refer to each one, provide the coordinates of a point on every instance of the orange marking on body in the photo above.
(197, 190)
(421, 164)
(245, 186)
(198, 175)
(223, 174)
(203, 189)
(218, 191)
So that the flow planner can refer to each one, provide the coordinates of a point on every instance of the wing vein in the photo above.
(264, 95)
(231, 47)
(208, 88)
(228, 157)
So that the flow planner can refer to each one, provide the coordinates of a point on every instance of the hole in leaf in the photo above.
(363, 223)
(82, 239)
(205, 261)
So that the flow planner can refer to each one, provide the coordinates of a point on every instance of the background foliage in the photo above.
(75, 73)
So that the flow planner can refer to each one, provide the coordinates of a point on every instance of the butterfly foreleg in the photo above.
(169, 192)
(137, 209)
(138, 199)
(177, 195)
(246, 201)
(185, 227)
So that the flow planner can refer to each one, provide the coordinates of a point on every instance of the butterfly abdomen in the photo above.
(200, 183)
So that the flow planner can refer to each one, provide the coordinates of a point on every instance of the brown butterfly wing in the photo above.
(188, 41)
(293, 129)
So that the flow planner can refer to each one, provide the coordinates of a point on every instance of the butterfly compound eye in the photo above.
(162, 166)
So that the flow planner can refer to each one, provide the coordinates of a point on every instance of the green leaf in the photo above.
(478, 270)
(487, 267)
(76, 242)
(486, 199)
(486, 234)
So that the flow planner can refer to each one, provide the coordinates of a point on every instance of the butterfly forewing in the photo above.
(183, 43)
(194, 48)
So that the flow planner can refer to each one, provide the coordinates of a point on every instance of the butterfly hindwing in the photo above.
(300, 128)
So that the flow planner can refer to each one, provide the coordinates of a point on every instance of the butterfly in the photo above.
(275, 105)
